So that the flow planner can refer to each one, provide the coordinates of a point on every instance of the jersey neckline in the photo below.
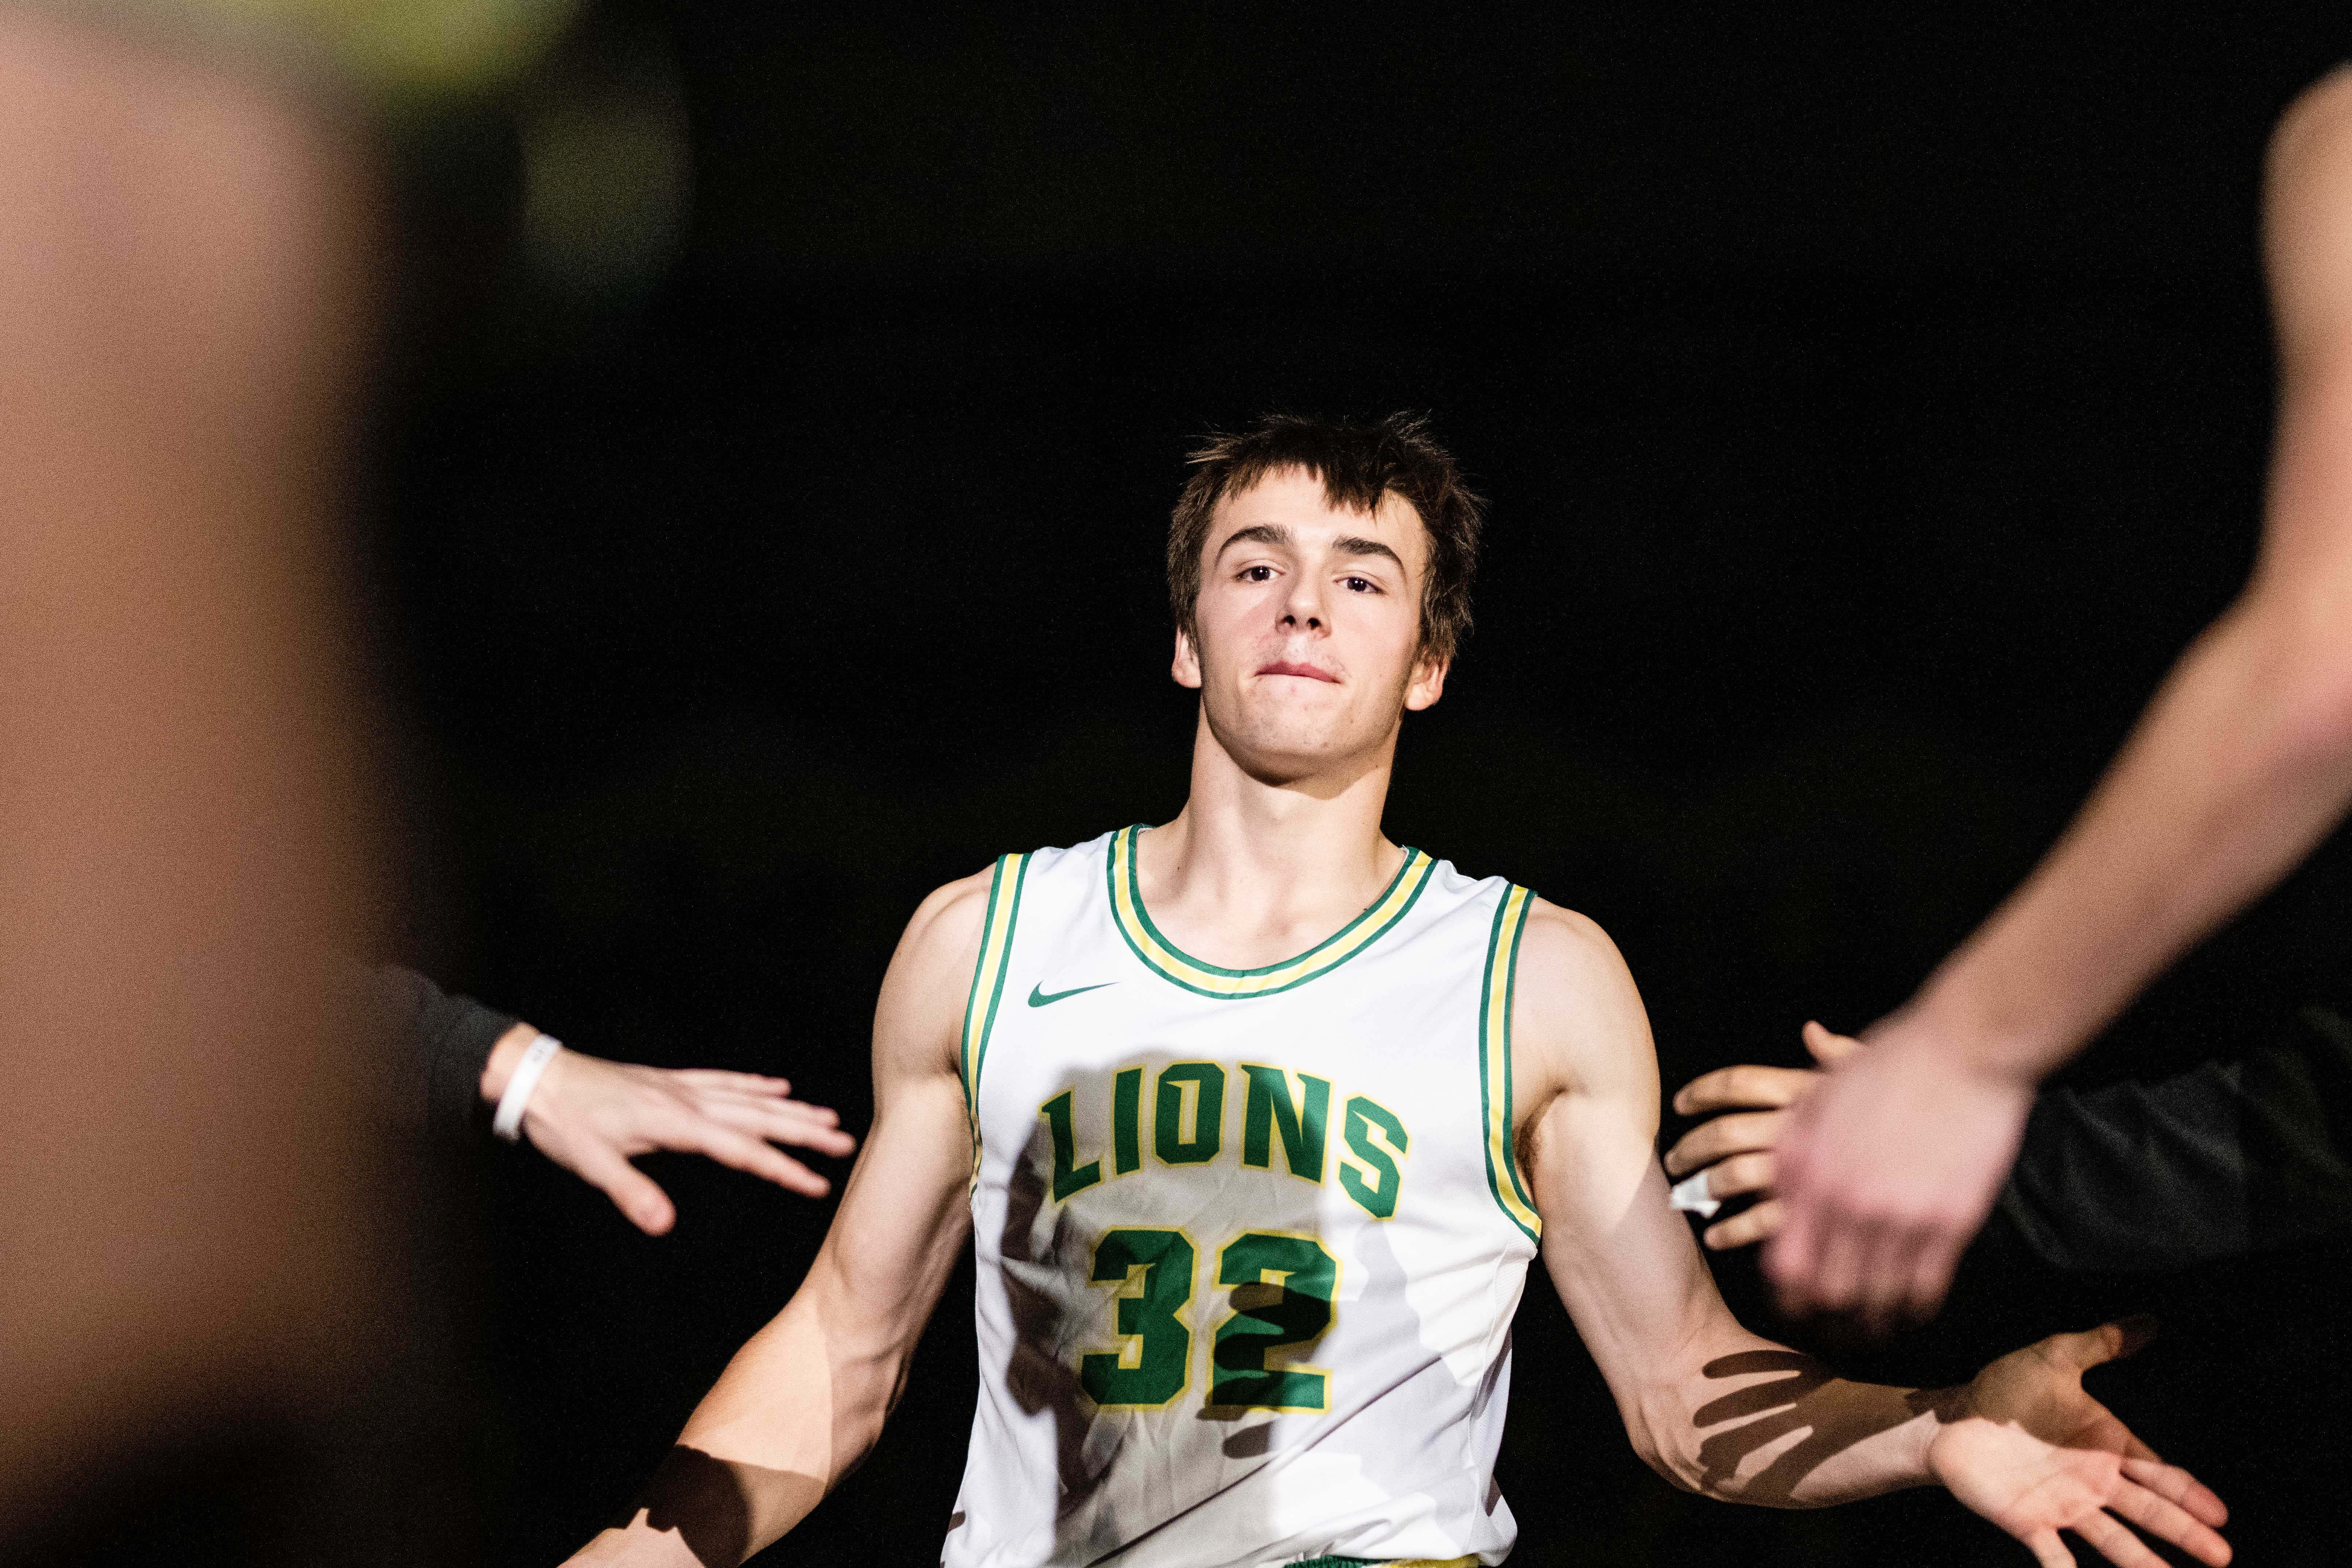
(1173, 965)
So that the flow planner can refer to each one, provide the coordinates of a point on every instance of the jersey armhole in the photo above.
(1497, 982)
(988, 972)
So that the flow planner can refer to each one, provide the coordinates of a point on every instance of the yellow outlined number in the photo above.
(1156, 1362)
(1282, 1286)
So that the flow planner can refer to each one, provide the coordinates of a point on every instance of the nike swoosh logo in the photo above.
(1040, 997)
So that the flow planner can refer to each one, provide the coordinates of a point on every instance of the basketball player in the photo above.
(1257, 1120)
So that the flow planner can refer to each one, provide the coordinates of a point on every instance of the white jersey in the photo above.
(1249, 1241)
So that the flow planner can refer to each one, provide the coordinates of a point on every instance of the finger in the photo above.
(1742, 1087)
(1836, 1283)
(2139, 1331)
(741, 1082)
(2081, 1352)
(1739, 1176)
(767, 1104)
(1792, 1254)
(1746, 1227)
(701, 1135)
(2176, 1484)
(634, 1193)
(2114, 1543)
(1888, 1277)
(1789, 1256)
(2168, 1521)
(1926, 1275)
(2049, 1551)
(1828, 1047)
(1724, 1137)
(780, 1125)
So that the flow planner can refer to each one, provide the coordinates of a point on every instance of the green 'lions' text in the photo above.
(1284, 1116)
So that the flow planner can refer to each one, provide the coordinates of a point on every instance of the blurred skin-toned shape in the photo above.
(2241, 765)
(184, 1169)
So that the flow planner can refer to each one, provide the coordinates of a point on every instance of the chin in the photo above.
(1280, 752)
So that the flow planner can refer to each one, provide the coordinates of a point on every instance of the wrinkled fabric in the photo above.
(432, 1046)
(2231, 1158)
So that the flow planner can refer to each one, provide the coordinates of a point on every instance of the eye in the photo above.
(1360, 584)
(1257, 574)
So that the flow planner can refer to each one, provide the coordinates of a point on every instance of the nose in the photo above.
(1302, 609)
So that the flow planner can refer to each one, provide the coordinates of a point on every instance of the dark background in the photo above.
(766, 528)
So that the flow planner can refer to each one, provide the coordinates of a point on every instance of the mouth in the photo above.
(1303, 671)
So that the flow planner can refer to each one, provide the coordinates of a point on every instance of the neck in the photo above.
(1252, 869)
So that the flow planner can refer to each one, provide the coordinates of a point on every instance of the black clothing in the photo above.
(2232, 1157)
(432, 1046)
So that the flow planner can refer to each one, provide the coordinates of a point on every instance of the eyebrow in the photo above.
(1276, 533)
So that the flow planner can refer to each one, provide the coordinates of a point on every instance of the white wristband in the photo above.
(1691, 1195)
(507, 1122)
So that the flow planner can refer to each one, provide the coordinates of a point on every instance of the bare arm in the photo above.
(1717, 1409)
(2243, 760)
(2241, 765)
(806, 1397)
(1706, 1404)
(195, 1215)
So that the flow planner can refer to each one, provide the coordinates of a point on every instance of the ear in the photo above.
(1428, 684)
(1186, 667)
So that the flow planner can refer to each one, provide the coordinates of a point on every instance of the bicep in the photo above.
(903, 1220)
(1624, 1261)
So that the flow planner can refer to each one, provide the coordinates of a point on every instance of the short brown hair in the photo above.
(1358, 464)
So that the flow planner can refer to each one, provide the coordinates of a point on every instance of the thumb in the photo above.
(633, 1192)
(1827, 1046)
(2108, 1342)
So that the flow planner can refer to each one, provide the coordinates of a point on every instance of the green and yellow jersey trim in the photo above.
(1171, 963)
(988, 984)
(1495, 1058)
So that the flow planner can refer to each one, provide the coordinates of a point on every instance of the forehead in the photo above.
(1294, 500)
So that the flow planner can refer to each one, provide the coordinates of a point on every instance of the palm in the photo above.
(2044, 1458)
(2037, 1455)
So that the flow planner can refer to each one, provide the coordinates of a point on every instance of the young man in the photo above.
(1256, 1121)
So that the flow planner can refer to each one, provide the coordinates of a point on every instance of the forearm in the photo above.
(800, 1404)
(1755, 1422)
(2241, 763)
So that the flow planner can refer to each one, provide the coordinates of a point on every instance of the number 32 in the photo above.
(1282, 1290)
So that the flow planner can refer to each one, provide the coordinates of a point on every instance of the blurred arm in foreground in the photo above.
(2241, 765)
(451, 1060)
(193, 1231)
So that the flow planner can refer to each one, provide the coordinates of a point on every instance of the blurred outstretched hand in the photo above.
(1885, 1170)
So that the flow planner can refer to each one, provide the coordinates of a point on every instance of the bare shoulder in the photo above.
(1577, 1020)
(948, 920)
(1562, 938)
(920, 1011)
